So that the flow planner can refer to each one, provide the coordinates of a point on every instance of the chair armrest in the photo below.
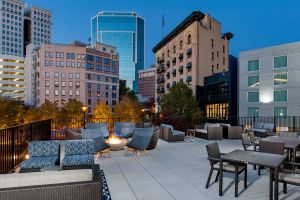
(294, 164)
(214, 159)
(289, 171)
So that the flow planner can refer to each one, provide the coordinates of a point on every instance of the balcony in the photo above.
(160, 60)
(161, 69)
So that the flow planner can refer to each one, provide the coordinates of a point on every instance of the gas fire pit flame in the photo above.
(113, 139)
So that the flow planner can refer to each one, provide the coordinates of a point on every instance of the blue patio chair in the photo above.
(140, 140)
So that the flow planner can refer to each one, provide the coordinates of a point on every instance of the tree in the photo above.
(102, 111)
(71, 114)
(180, 103)
(128, 108)
(11, 112)
(48, 110)
(126, 91)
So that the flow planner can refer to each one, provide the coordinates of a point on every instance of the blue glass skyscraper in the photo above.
(125, 31)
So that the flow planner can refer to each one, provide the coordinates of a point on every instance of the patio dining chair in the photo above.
(270, 147)
(214, 157)
(290, 135)
(247, 144)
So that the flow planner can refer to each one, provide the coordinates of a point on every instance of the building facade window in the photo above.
(47, 74)
(280, 61)
(253, 81)
(56, 74)
(106, 61)
(253, 65)
(280, 95)
(253, 97)
(280, 112)
(47, 92)
(70, 75)
(281, 78)
(253, 112)
(77, 76)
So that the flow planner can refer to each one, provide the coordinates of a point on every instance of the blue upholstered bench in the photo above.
(41, 154)
(78, 154)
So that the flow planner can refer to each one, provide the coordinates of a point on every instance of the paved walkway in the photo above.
(179, 171)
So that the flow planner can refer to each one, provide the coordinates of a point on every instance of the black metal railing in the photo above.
(14, 142)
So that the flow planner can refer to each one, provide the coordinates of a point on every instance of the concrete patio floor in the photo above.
(179, 171)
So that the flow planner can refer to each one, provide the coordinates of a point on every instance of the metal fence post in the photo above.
(12, 148)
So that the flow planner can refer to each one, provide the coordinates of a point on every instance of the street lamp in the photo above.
(84, 109)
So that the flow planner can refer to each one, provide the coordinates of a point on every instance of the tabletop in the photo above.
(256, 158)
(288, 142)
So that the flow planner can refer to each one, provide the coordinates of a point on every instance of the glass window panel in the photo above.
(253, 81)
(253, 65)
(253, 112)
(280, 95)
(280, 78)
(280, 61)
(280, 111)
(253, 96)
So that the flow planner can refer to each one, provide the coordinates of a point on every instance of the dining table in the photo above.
(272, 161)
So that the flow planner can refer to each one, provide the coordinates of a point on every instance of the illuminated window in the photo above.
(280, 78)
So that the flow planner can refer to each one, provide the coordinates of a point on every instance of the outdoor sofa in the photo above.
(262, 129)
(169, 134)
(41, 154)
(56, 185)
(210, 132)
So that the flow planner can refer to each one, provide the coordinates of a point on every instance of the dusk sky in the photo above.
(254, 23)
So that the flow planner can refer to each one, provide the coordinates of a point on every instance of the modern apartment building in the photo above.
(196, 48)
(269, 81)
(125, 31)
(12, 27)
(147, 82)
(38, 26)
(12, 77)
(62, 72)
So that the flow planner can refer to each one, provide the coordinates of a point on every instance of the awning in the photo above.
(174, 60)
(189, 65)
(168, 63)
(181, 68)
(189, 51)
(189, 79)
(168, 74)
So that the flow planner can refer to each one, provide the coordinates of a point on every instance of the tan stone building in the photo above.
(62, 72)
(196, 48)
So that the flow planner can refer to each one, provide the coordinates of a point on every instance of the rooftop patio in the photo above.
(179, 171)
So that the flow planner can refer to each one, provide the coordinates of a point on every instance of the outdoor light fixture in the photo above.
(84, 108)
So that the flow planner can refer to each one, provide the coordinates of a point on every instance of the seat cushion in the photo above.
(96, 125)
(228, 167)
(78, 160)
(289, 177)
(178, 133)
(201, 130)
(39, 162)
(43, 148)
(79, 147)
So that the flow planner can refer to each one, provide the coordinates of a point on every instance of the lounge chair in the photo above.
(140, 140)
(169, 134)
(214, 156)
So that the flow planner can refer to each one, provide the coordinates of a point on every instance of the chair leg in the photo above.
(258, 171)
(284, 188)
(138, 154)
(245, 177)
(217, 177)
(254, 167)
(209, 177)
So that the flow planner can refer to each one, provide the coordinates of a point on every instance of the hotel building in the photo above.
(269, 83)
(12, 76)
(62, 72)
(193, 50)
(147, 82)
(125, 31)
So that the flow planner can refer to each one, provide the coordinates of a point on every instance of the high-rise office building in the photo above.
(37, 26)
(125, 31)
(62, 72)
(12, 27)
(195, 49)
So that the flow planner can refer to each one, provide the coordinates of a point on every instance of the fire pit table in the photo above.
(116, 143)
